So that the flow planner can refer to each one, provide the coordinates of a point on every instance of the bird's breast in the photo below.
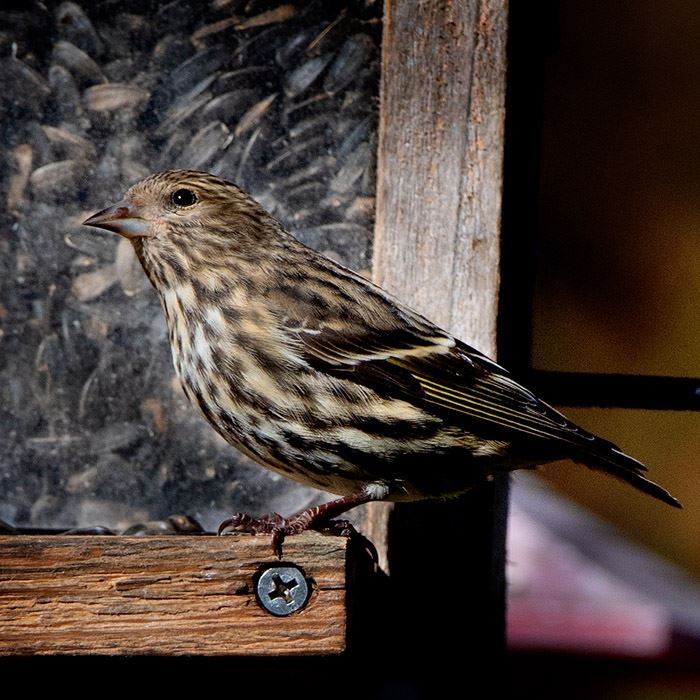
(230, 352)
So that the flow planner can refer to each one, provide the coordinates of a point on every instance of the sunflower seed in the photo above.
(23, 156)
(66, 101)
(353, 169)
(251, 118)
(74, 26)
(230, 105)
(68, 145)
(312, 105)
(203, 33)
(90, 285)
(80, 65)
(171, 50)
(206, 144)
(308, 192)
(317, 169)
(298, 154)
(108, 97)
(288, 54)
(175, 144)
(180, 113)
(354, 54)
(329, 36)
(199, 67)
(304, 76)
(355, 133)
(247, 155)
(279, 14)
(248, 77)
(128, 269)
(58, 179)
(29, 90)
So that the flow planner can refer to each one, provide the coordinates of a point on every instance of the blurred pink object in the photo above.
(577, 585)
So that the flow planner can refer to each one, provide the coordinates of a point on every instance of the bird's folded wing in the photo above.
(443, 375)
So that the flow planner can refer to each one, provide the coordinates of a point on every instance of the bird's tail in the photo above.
(609, 458)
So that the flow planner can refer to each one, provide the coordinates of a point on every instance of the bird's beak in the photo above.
(122, 218)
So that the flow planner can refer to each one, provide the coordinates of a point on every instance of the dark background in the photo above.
(602, 193)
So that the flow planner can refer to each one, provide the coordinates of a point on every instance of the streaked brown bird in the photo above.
(320, 375)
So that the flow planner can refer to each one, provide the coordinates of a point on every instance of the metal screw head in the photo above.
(282, 590)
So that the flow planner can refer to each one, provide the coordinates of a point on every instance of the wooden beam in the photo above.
(436, 247)
(165, 595)
(439, 181)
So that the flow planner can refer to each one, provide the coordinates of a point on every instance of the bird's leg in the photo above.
(320, 518)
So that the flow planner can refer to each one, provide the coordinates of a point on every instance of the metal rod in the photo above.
(616, 390)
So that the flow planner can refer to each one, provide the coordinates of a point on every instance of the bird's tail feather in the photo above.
(611, 460)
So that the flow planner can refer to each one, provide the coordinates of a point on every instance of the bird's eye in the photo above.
(183, 198)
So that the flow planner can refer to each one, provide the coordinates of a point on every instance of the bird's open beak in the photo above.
(122, 218)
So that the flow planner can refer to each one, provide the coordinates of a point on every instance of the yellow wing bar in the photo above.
(478, 406)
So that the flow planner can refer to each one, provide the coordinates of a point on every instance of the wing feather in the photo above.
(443, 375)
(399, 354)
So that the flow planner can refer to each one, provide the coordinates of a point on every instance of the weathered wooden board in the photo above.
(164, 595)
(439, 181)
(439, 174)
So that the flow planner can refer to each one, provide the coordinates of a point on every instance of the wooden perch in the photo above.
(165, 595)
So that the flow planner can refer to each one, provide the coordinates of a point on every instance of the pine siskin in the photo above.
(320, 375)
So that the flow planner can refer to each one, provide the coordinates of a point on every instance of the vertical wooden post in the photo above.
(437, 248)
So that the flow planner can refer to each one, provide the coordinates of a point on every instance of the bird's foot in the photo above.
(280, 528)
(242, 522)
(337, 528)
(319, 518)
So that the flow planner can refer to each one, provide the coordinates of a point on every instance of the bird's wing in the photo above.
(489, 394)
(466, 388)
(441, 374)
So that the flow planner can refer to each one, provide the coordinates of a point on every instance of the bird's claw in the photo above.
(280, 527)
(242, 522)
(338, 528)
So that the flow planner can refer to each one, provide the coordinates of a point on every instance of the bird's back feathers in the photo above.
(412, 359)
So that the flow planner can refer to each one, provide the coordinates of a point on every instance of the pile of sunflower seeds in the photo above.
(281, 98)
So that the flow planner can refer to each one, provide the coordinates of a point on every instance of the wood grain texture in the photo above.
(439, 175)
(440, 161)
(164, 595)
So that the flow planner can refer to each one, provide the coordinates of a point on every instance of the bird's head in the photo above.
(178, 217)
(182, 203)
